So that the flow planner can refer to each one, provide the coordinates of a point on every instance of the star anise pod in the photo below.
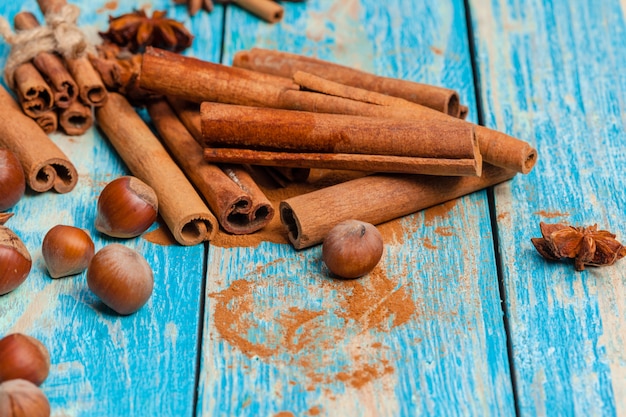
(586, 245)
(136, 31)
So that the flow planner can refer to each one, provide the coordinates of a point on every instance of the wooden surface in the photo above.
(262, 331)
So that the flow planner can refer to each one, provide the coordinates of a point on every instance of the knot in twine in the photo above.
(60, 34)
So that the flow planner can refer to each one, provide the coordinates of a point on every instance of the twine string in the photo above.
(59, 34)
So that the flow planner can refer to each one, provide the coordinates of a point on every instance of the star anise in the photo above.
(136, 31)
(586, 245)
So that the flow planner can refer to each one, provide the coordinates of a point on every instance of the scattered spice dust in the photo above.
(428, 244)
(108, 6)
(251, 316)
(361, 377)
(551, 214)
(160, 236)
(284, 414)
(441, 210)
(437, 51)
(392, 231)
(314, 411)
(503, 216)
(444, 231)
(373, 301)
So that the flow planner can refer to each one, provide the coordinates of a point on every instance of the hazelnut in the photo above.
(21, 398)
(67, 250)
(12, 180)
(127, 207)
(15, 261)
(352, 249)
(23, 357)
(121, 278)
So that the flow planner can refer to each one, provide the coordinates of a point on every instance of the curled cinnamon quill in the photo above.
(586, 245)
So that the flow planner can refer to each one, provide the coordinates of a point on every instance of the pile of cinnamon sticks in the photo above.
(56, 91)
(293, 112)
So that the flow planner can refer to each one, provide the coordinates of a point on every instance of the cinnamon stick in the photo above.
(50, 65)
(239, 204)
(75, 119)
(375, 199)
(33, 92)
(45, 165)
(496, 147)
(175, 75)
(267, 10)
(90, 87)
(286, 64)
(48, 121)
(307, 139)
(172, 74)
(184, 212)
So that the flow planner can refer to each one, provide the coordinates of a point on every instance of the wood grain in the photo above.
(280, 336)
(424, 333)
(102, 363)
(548, 74)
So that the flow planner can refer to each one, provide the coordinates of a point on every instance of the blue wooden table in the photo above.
(462, 317)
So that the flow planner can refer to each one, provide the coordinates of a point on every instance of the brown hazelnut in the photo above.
(352, 249)
(127, 207)
(67, 250)
(21, 398)
(12, 180)
(15, 261)
(23, 357)
(121, 278)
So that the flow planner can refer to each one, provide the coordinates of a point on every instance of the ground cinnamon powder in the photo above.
(295, 335)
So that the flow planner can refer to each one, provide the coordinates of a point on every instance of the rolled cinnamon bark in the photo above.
(91, 89)
(50, 65)
(497, 148)
(375, 199)
(48, 121)
(175, 75)
(318, 140)
(286, 64)
(267, 10)
(33, 92)
(240, 206)
(75, 119)
(45, 165)
(172, 74)
(89, 85)
(184, 212)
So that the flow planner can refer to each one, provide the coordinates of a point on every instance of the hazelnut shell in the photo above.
(127, 207)
(15, 261)
(121, 278)
(67, 250)
(21, 398)
(23, 357)
(352, 249)
(12, 180)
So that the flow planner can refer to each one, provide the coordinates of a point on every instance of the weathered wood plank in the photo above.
(423, 334)
(550, 72)
(104, 364)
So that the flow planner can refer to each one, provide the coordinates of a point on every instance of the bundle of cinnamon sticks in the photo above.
(285, 110)
(57, 90)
